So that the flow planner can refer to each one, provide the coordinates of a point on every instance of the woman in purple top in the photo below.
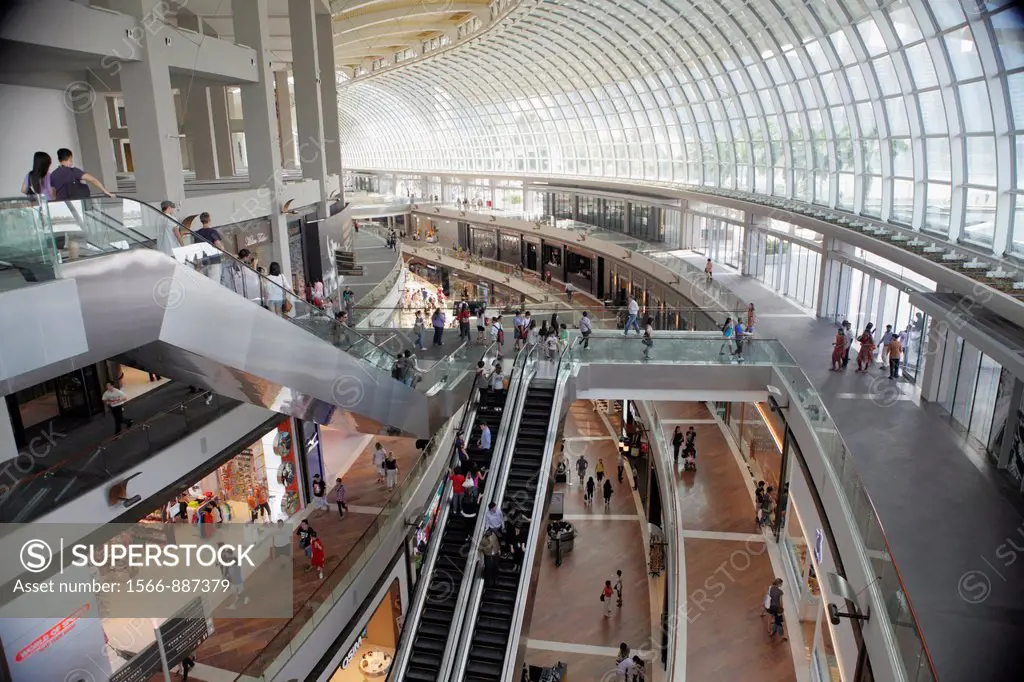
(438, 321)
(37, 181)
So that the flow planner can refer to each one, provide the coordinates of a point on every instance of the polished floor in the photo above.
(568, 622)
(727, 572)
(949, 518)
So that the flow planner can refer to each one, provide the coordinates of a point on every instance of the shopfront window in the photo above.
(371, 654)
(485, 243)
(785, 266)
(511, 248)
(969, 387)
(758, 432)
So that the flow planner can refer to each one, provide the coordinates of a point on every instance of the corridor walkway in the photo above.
(947, 514)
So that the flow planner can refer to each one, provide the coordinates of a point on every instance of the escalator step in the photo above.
(503, 611)
(495, 625)
(485, 671)
(490, 639)
(488, 654)
(420, 675)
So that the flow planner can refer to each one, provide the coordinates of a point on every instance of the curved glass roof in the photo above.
(907, 111)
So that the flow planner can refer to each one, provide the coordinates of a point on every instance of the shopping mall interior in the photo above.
(549, 340)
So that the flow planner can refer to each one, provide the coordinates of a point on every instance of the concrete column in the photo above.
(328, 92)
(308, 103)
(96, 153)
(284, 119)
(252, 28)
(218, 95)
(149, 103)
(115, 143)
(199, 131)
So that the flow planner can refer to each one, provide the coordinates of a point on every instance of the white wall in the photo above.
(34, 119)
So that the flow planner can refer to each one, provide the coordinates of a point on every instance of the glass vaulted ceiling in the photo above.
(907, 111)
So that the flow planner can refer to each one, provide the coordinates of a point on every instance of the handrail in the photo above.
(419, 599)
(497, 462)
(496, 494)
(543, 481)
(135, 429)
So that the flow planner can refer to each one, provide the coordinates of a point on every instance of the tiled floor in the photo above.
(567, 613)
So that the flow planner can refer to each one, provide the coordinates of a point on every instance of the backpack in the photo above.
(501, 336)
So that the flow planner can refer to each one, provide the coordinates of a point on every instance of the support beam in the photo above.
(96, 149)
(329, 93)
(252, 27)
(308, 103)
(199, 131)
(284, 119)
(221, 130)
(149, 104)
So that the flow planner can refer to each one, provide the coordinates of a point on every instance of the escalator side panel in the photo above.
(140, 297)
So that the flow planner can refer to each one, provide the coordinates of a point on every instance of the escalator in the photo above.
(433, 629)
(120, 297)
(496, 613)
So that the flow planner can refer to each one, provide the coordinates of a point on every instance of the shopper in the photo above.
(494, 519)
(485, 437)
(600, 470)
(464, 333)
(305, 534)
(569, 289)
(618, 588)
(677, 443)
(481, 322)
(691, 437)
(623, 653)
(847, 342)
(648, 339)
(437, 321)
(621, 465)
(418, 328)
(551, 344)
(497, 331)
(632, 311)
(751, 318)
(317, 558)
(115, 398)
(883, 346)
(607, 493)
(606, 596)
(581, 467)
(37, 180)
(379, 455)
(625, 669)
(276, 289)
(498, 380)
(458, 489)
(232, 572)
(262, 502)
(708, 269)
(391, 471)
(838, 349)
(586, 328)
(727, 331)
(319, 489)
(339, 497)
(490, 548)
(66, 180)
(895, 351)
(588, 492)
(187, 664)
(533, 337)
(208, 234)
(282, 541)
(866, 354)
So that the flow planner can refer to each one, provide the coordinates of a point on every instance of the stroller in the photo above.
(689, 458)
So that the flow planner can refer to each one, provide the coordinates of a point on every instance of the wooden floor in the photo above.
(254, 642)
(568, 622)
(727, 575)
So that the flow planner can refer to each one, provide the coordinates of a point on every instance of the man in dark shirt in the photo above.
(210, 235)
(66, 180)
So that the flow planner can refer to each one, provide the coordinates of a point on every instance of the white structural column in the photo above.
(308, 108)
(96, 149)
(329, 92)
(115, 142)
(284, 119)
(149, 105)
(252, 28)
(199, 130)
(218, 95)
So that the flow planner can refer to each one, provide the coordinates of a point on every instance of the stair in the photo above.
(345, 261)
(494, 621)
(434, 627)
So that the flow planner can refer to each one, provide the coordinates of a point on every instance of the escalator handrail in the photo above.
(104, 444)
(497, 493)
(419, 598)
(498, 455)
(288, 294)
(543, 481)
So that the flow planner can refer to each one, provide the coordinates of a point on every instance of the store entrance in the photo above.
(373, 652)
(580, 270)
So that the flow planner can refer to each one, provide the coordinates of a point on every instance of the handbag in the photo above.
(286, 307)
(602, 596)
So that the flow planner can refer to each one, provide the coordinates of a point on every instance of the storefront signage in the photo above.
(819, 545)
(354, 650)
(52, 635)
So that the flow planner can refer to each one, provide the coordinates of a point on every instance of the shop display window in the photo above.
(371, 655)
